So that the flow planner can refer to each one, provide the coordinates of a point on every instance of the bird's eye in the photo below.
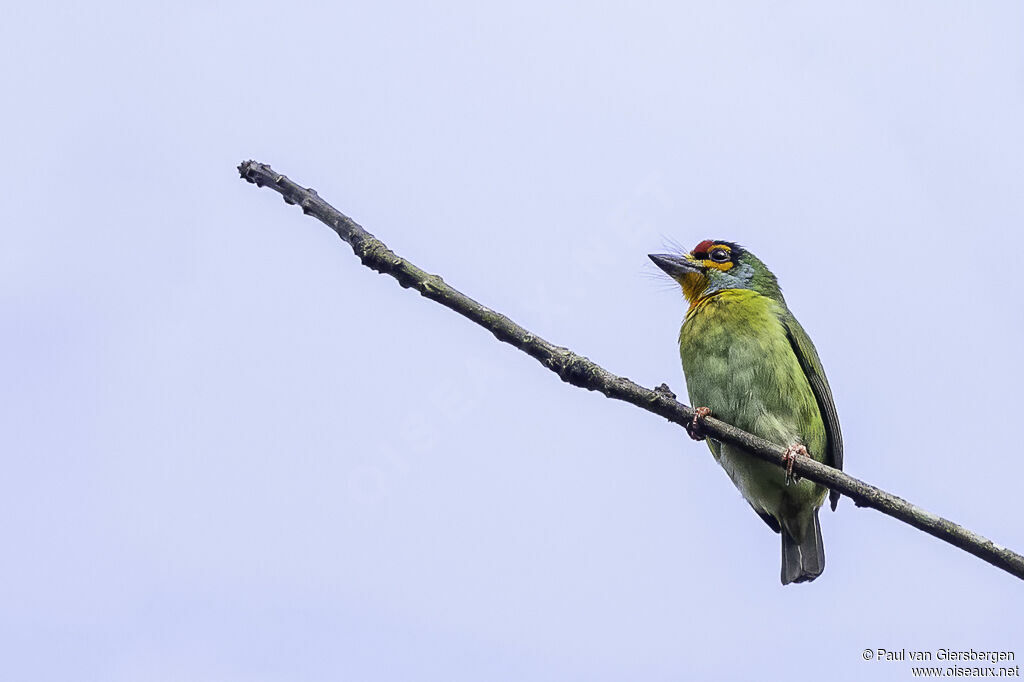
(720, 255)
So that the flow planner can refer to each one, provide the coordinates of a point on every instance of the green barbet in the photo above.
(750, 363)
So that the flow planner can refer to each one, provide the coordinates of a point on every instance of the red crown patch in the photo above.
(703, 246)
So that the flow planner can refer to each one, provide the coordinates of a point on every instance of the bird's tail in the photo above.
(803, 561)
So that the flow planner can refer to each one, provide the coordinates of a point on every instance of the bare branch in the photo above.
(579, 371)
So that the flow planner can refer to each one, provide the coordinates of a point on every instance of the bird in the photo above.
(748, 362)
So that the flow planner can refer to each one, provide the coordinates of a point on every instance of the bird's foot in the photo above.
(789, 457)
(694, 428)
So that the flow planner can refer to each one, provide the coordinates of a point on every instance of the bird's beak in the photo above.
(675, 266)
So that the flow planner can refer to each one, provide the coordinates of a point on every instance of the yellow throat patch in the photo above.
(694, 283)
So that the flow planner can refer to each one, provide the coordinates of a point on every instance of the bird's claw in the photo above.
(694, 428)
(789, 457)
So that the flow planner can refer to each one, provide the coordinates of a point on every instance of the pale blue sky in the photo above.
(232, 453)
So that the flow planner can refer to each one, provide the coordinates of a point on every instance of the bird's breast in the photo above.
(739, 362)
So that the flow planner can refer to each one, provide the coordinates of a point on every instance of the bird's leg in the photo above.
(789, 457)
(694, 428)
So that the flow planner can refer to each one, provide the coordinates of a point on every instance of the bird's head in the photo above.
(715, 266)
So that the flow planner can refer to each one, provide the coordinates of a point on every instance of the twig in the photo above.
(579, 371)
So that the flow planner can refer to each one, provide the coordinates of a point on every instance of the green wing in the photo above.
(815, 373)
